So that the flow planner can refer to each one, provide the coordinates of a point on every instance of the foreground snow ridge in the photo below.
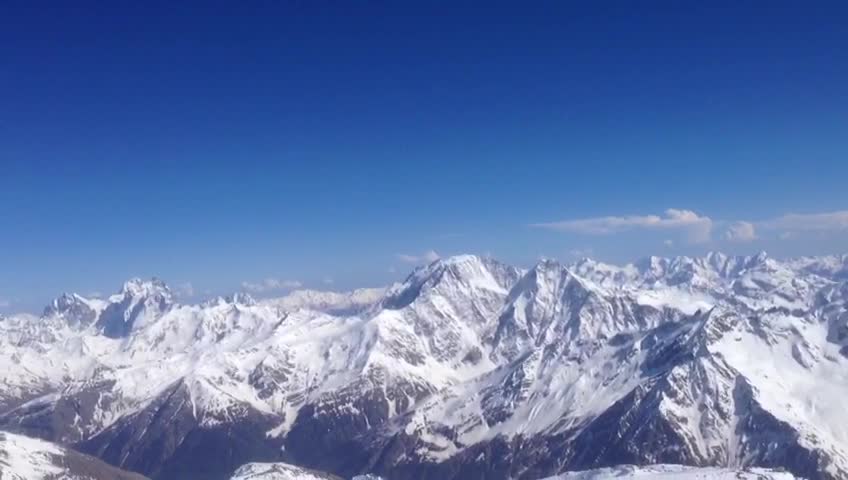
(24, 458)
(278, 471)
(284, 471)
(671, 472)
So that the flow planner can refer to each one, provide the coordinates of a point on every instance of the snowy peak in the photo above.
(675, 472)
(138, 288)
(335, 303)
(697, 271)
(473, 270)
(450, 276)
(137, 303)
(235, 299)
(241, 298)
(652, 267)
(551, 305)
(77, 312)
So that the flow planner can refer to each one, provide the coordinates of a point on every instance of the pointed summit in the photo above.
(76, 310)
(137, 287)
(760, 257)
(653, 266)
(241, 298)
(448, 276)
(137, 302)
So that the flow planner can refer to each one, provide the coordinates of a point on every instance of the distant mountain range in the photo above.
(468, 369)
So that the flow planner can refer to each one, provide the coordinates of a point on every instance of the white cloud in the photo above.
(5, 303)
(328, 281)
(580, 252)
(696, 226)
(741, 232)
(184, 290)
(820, 222)
(270, 285)
(427, 257)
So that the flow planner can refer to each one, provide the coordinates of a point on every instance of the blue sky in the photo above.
(337, 145)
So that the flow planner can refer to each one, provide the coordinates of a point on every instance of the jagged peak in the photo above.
(461, 266)
(550, 263)
(138, 287)
(450, 274)
(65, 300)
(550, 275)
(761, 256)
(69, 304)
(652, 265)
(459, 259)
(547, 268)
(240, 298)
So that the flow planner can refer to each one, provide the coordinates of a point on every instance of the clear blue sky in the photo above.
(226, 142)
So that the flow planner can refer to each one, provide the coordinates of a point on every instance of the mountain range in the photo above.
(468, 369)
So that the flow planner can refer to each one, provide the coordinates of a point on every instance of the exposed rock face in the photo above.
(469, 369)
(167, 439)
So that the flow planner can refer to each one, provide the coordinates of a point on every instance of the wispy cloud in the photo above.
(270, 285)
(789, 226)
(184, 290)
(696, 226)
(800, 222)
(328, 281)
(426, 257)
(4, 303)
(741, 232)
(580, 252)
(699, 228)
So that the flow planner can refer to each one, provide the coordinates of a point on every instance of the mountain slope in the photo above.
(674, 472)
(278, 471)
(23, 458)
(469, 368)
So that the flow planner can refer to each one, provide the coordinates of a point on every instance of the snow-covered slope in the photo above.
(23, 458)
(468, 368)
(278, 471)
(675, 472)
(338, 303)
(284, 471)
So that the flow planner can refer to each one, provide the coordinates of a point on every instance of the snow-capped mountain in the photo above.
(674, 472)
(284, 471)
(278, 471)
(469, 368)
(23, 458)
(339, 303)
